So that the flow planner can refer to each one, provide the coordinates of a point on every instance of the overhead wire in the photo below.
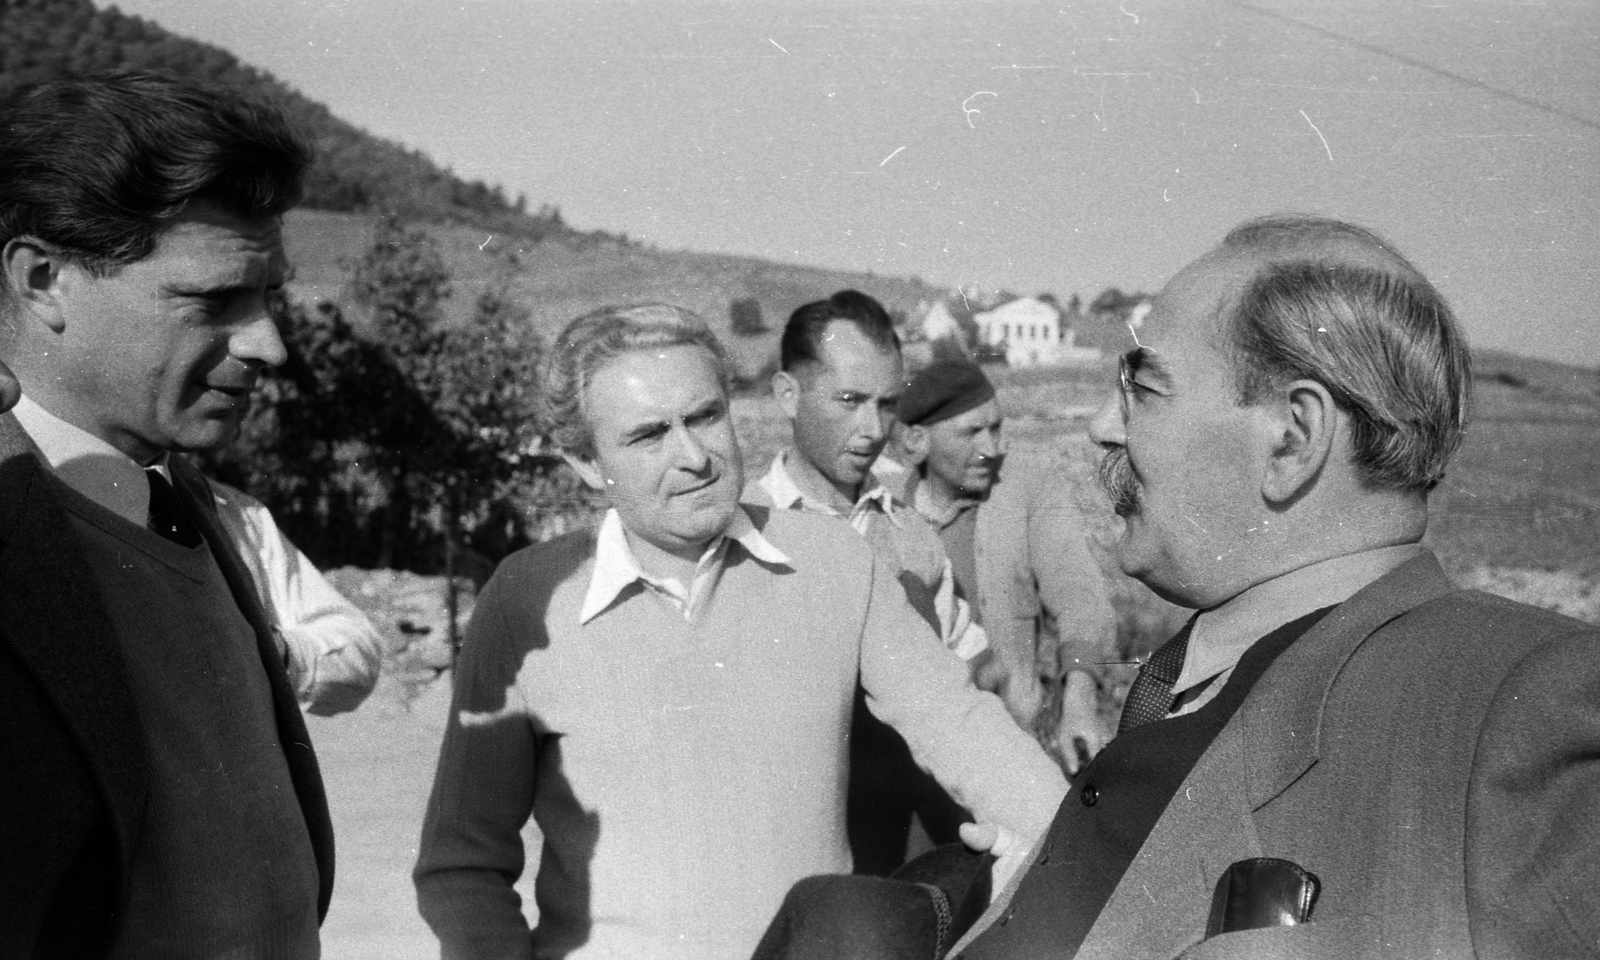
(1415, 63)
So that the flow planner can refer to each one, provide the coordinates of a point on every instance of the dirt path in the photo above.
(377, 763)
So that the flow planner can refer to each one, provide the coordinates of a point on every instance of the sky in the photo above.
(1033, 146)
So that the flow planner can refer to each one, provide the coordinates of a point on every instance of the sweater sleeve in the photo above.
(1073, 595)
(962, 735)
(483, 791)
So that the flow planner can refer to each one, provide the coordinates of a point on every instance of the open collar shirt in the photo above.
(88, 464)
(1222, 634)
(616, 568)
(787, 495)
(941, 515)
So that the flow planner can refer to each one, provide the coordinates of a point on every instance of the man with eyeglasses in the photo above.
(1341, 755)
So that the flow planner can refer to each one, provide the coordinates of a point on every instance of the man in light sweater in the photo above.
(160, 795)
(839, 384)
(668, 697)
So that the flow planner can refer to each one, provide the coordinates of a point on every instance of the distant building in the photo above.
(1033, 332)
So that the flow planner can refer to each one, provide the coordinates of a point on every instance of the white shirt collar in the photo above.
(786, 495)
(616, 568)
(1222, 634)
(88, 464)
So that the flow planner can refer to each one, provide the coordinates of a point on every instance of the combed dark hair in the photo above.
(99, 167)
(1367, 325)
(595, 339)
(802, 335)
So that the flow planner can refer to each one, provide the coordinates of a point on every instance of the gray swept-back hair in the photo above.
(1335, 303)
(594, 340)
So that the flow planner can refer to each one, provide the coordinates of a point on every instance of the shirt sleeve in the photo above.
(957, 626)
(334, 650)
(471, 852)
(962, 735)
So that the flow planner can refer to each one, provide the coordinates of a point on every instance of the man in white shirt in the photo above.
(333, 651)
(839, 382)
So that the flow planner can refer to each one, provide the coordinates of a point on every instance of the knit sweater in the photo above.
(225, 864)
(683, 774)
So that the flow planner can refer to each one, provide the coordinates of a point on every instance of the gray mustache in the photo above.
(1121, 486)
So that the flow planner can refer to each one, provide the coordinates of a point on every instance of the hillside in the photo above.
(354, 171)
(357, 177)
(560, 277)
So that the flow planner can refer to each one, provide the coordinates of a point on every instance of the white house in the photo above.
(1033, 333)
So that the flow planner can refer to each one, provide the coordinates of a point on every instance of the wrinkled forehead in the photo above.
(1189, 310)
(656, 378)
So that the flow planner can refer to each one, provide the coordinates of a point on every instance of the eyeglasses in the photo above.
(1124, 382)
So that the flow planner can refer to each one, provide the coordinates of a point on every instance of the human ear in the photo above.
(1301, 426)
(32, 270)
(786, 390)
(588, 471)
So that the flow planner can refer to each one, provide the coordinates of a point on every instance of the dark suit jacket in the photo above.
(73, 787)
(1432, 755)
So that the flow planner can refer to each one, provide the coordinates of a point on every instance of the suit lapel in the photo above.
(1160, 907)
(53, 617)
(1281, 720)
(1161, 904)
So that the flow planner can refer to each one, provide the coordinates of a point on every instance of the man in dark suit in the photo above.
(160, 795)
(1426, 754)
(1341, 755)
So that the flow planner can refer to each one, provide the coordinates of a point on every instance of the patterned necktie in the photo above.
(166, 512)
(1150, 697)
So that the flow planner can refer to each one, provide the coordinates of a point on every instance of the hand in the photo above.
(1008, 849)
(1019, 690)
(10, 391)
(1082, 732)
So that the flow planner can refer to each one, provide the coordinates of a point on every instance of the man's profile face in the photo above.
(965, 451)
(844, 405)
(665, 455)
(1183, 465)
(163, 354)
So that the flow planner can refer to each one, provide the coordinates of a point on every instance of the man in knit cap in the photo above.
(1019, 549)
(668, 696)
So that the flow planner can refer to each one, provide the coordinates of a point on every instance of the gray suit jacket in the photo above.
(1432, 755)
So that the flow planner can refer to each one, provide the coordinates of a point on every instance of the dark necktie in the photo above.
(166, 513)
(1150, 697)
